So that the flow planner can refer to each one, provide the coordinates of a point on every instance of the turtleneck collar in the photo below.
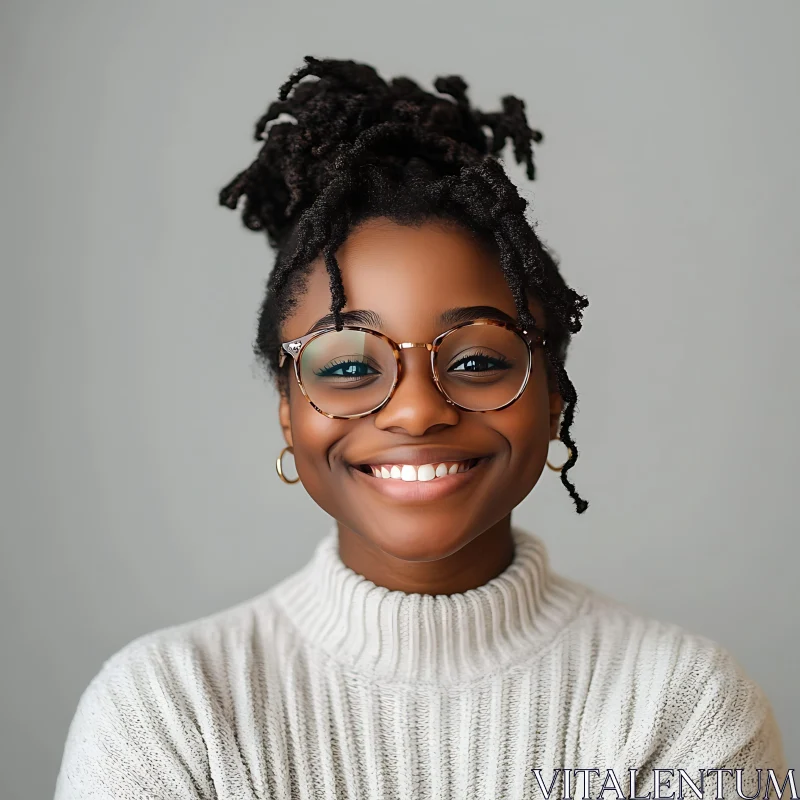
(423, 638)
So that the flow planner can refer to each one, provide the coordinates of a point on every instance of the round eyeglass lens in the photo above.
(482, 367)
(347, 372)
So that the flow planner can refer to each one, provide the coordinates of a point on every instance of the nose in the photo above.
(417, 405)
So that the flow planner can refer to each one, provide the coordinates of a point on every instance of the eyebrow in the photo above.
(451, 316)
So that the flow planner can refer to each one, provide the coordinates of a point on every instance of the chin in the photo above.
(423, 521)
(422, 537)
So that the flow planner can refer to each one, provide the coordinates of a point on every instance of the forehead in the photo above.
(408, 275)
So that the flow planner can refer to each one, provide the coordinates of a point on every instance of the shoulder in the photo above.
(178, 659)
(182, 664)
(684, 697)
(144, 723)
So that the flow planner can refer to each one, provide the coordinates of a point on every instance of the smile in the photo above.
(409, 483)
(421, 472)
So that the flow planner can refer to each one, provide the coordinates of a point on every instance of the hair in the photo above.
(350, 146)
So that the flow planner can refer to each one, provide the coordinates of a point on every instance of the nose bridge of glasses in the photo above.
(408, 345)
(428, 347)
(410, 374)
(425, 356)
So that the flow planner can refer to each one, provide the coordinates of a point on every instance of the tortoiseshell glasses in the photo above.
(478, 365)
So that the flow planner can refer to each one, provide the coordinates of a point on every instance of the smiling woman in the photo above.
(406, 405)
(417, 332)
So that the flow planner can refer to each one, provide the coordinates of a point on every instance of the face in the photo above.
(409, 276)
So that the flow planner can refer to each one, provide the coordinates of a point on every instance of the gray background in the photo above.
(138, 439)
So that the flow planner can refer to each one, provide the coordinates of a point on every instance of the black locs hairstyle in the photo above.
(356, 146)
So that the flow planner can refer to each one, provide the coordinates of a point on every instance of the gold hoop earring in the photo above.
(569, 456)
(279, 466)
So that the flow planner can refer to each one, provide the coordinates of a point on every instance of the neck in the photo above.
(473, 565)
(428, 638)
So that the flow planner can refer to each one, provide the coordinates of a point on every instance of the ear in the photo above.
(285, 417)
(556, 407)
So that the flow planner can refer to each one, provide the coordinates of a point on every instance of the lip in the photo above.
(416, 456)
(421, 491)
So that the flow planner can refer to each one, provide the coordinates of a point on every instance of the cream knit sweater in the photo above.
(328, 686)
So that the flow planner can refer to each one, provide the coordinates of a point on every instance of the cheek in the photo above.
(313, 436)
(526, 426)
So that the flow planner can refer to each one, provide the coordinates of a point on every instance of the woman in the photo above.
(416, 329)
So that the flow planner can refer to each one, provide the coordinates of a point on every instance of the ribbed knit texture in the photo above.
(328, 686)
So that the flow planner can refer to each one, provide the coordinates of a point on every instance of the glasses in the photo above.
(478, 365)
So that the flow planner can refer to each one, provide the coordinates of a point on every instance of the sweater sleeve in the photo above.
(729, 724)
(764, 749)
(129, 738)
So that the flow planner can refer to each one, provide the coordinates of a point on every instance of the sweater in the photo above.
(329, 686)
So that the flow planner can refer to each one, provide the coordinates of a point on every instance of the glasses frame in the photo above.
(294, 348)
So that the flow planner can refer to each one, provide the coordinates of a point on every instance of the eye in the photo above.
(346, 368)
(480, 362)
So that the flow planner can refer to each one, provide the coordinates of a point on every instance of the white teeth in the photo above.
(408, 473)
(424, 472)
